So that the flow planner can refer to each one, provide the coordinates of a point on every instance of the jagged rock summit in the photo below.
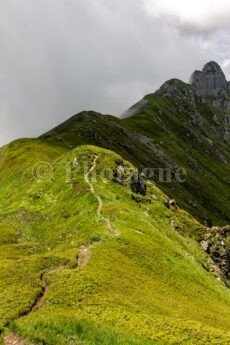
(209, 87)
(211, 81)
(208, 83)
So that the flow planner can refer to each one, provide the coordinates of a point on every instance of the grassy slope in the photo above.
(207, 182)
(142, 287)
(174, 142)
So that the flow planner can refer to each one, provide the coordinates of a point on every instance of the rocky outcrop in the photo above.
(216, 244)
(138, 184)
(195, 118)
(210, 82)
(213, 88)
(225, 127)
(176, 88)
(222, 126)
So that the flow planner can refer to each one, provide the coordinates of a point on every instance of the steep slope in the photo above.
(85, 260)
(179, 126)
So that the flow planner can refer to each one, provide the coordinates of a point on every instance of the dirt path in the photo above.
(11, 339)
(107, 222)
(92, 190)
(83, 257)
(84, 254)
(44, 290)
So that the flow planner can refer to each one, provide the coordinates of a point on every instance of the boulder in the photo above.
(216, 243)
(138, 184)
(204, 245)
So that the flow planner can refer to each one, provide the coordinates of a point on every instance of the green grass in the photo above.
(69, 330)
(146, 286)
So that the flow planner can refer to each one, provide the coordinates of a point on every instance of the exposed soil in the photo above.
(12, 339)
(84, 256)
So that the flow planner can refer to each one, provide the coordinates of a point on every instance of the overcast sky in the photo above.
(58, 57)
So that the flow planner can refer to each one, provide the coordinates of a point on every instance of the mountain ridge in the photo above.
(174, 117)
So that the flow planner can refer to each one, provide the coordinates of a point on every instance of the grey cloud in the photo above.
(59, 57)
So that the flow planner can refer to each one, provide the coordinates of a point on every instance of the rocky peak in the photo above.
(208, 86)
(175, 88)
(210, 81)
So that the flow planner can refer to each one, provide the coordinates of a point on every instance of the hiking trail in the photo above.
(99, 199)
(82, 258)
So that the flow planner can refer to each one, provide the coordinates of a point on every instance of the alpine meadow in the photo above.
(115, 231)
